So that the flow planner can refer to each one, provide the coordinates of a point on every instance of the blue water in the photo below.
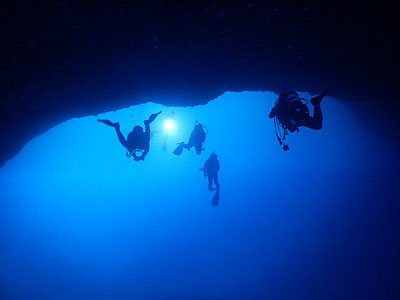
(80, 220)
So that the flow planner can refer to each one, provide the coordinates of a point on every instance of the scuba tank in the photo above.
(289, 110)
(199, 133)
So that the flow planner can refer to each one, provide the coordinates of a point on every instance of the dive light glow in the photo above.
(169, 125)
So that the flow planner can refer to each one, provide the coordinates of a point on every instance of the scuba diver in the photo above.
(196, 140)
(211, 168)
(291, 112)
(137, 140)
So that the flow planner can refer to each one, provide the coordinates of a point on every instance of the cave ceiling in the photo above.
(64, 59)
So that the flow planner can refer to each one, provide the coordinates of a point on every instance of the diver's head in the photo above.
(213, 155)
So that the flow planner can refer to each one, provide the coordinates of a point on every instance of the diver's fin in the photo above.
(326, 92)
(317, 100)
(107, 122)
(215, 199)
(179, 149)
(153, 117)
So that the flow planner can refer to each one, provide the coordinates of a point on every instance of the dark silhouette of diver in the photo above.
(211, 169)
(291, 112)
(137, 140)
(196, 140)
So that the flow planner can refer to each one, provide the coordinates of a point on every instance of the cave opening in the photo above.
(77, 213)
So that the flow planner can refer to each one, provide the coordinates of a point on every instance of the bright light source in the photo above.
(169, 125)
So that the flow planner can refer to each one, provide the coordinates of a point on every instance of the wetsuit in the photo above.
(211, 168)
(137, 139)
(197, 137)
(293, 113)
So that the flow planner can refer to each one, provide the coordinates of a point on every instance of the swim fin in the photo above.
(326, 92)
(109, 123)
(153, 117)
(317, 100)
(215, 199)
(179, 149)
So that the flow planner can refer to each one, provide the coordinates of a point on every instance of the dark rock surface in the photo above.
(64, 59)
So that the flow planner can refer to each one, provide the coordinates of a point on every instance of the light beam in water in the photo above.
(169, 126)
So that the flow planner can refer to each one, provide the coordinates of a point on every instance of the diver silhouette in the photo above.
(211, 169)
(137, 140)
(291, 112)
(196, 140)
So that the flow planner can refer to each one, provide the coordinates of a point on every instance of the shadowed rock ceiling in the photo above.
(64, 59)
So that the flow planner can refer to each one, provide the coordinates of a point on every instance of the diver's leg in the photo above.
(187, 146)
(146, 148)
(152, 118)
(121, 137)
(191, 143)
(317, 100)
(316, 120)
(147, 133)
(216, 180)
(210, 179)
(108, 122)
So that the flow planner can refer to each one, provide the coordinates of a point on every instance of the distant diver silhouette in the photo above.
(211, 169)
(137, 140)
(196, 140)
(291, 112)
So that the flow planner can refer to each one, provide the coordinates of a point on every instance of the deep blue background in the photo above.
(79, 220)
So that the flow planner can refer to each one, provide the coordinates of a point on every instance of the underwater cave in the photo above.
(81, 220)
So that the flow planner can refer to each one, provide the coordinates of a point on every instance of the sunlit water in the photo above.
(80, 220)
